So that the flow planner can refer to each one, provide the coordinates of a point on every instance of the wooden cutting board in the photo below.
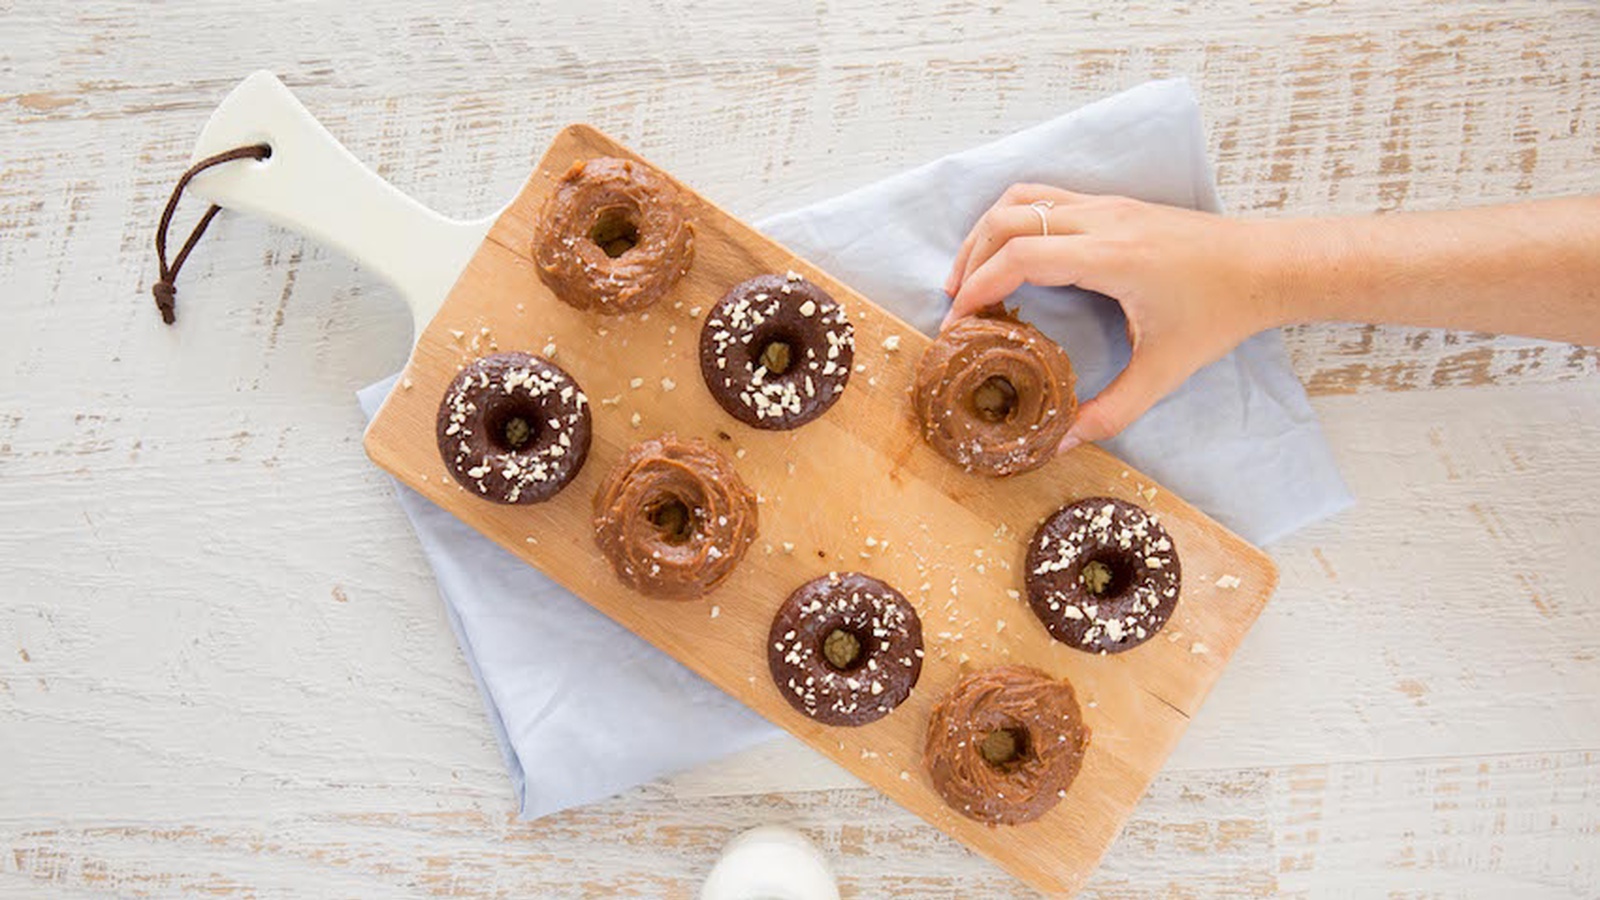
(854, 490)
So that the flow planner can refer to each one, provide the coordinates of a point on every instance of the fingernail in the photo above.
(1067, 443)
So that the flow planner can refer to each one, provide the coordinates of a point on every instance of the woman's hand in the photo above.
(1192, 285)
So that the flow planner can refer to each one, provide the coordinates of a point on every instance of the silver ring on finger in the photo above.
(1042, 207)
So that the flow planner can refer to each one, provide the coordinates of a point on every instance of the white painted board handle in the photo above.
(314, 186)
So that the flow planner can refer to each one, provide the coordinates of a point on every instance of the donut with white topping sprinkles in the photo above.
(845, 649)
(1103, 575)
(776, 351)
(514, 428)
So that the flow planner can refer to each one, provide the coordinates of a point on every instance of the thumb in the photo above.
(1146, 380)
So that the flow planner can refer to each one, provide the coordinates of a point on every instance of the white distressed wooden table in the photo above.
(223, 666)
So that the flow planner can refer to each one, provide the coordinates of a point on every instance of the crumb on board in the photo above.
(1228, 582)
(1198, 647)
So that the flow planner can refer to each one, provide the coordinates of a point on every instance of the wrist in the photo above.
(1297, 265)
(1273, 261)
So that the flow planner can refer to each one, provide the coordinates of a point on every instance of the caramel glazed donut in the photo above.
(1005, 744)
(1102, 575)
(613, 236)
(845, 649)
(994, 395)
(513, 428)
(673, 518)
(776, 351)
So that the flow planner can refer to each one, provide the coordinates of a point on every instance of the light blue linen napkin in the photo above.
(1238, 440)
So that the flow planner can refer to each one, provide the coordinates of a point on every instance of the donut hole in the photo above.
(673, 519)
(1106, 576)
(995, 400)
(776, 353)
(1005, 748)
(615, 231)
(844, 650)
(513, 429)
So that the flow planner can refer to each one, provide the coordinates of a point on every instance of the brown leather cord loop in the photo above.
(165, 292)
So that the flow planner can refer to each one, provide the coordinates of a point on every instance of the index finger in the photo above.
(1053, 261)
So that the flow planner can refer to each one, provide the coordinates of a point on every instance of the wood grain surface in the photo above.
(855, 490)
(223, 666)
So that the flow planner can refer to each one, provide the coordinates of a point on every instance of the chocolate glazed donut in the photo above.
(1005, 744)
(673, 518)
(513, 428)
(613, 237)
(776, 351)
(1102, 575)
(845, 649)
(994, 395)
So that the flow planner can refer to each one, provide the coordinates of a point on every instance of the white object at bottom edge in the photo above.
(770, 863)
